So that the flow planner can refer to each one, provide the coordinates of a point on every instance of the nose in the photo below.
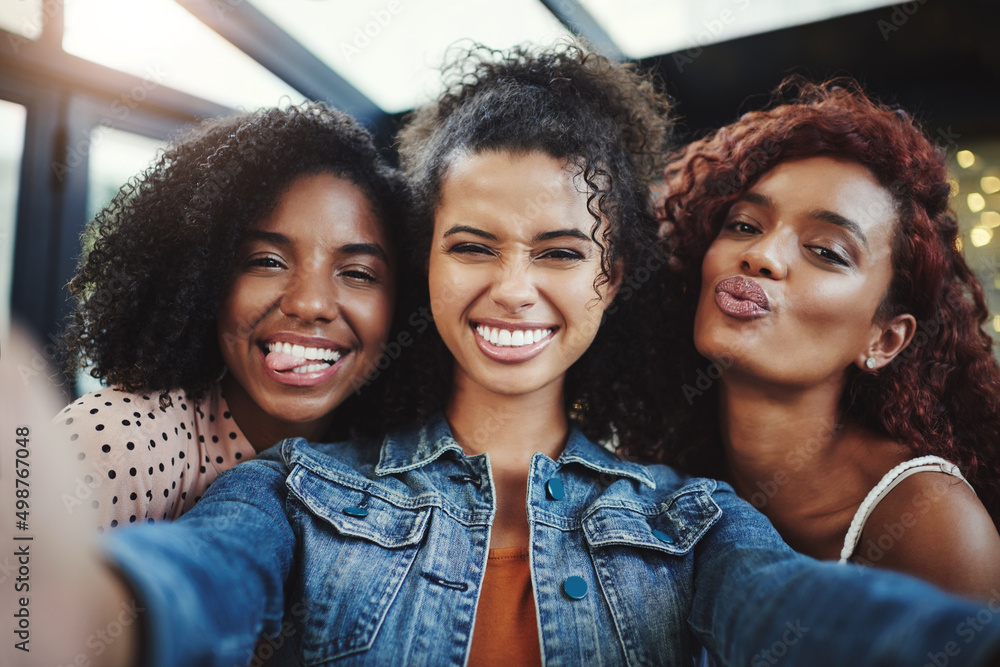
(310, 297)
(766, 256)
(513, 288)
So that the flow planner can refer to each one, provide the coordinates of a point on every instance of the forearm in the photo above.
(757, 602)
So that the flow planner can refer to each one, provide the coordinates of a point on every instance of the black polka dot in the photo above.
(201, 438)
(132, 471)
(183, 406)
(149, 494)
(239, 455)
(131, 519)
(133, 496)
(74, 437)
(112, 474)
(184, 495)
(218, 459)
(127, 400)
(175, 430)
(197, 498)
(99, 427)
(114, 522)
(150, 415)
(208, 460)
(114, 501)
(69, 421)
(180, 455)
(105, 448)
(226, 414)
(164, 436)
(150, 470)
(150, 520)
(145, 398)
(232, 436)
(189, 435)
(136, 415)
(107, 403)
(126, 422)
(211, 418)
(130, 445)
(173, 485)
(166, 493)
(81, 456)
(161, 467)
(94, 411)
(215, 438)
(203, 468)
(183, 427)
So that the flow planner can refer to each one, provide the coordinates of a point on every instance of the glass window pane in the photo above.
(159, 41)
(115, 156)
(643, 28)
(12, 119)
(391, 50)
(976, 200)
(22, 17)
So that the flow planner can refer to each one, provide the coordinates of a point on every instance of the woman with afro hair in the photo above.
(838, 335)
(501, 529)
(234, 294)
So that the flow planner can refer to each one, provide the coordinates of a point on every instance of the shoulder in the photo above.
(933, 526)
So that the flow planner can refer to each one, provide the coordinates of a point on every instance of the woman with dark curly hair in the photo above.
(496, 531)
(233, 295)
(821, 275)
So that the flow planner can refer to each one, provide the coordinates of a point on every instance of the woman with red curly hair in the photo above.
(839, 337)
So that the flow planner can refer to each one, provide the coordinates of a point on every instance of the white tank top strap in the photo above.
(887, 484)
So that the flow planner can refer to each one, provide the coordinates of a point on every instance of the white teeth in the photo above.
(512, 338)
(328, 355)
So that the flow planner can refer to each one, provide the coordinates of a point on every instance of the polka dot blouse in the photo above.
(145, 463)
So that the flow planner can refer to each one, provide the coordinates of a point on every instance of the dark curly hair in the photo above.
(941, 395)
(610, 122)
(157, 260)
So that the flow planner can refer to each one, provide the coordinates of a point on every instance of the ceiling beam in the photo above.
(575, 16)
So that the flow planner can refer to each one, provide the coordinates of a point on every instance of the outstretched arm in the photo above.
(208, 585)
(757, 603)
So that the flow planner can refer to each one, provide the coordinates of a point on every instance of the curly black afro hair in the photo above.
(157, 260)
(608, 121)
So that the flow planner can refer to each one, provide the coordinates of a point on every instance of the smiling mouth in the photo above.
(288, 358)
(512, 337)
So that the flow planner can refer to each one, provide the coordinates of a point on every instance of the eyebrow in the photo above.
(542, 236)
(373, 249)
(821, 214)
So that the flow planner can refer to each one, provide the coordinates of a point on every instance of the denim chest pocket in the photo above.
(354, 553)
(673, 526)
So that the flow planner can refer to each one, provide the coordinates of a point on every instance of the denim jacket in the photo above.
(355, 553)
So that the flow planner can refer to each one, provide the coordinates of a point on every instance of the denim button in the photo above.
(663, 537)
(554, 489)
(359, 512)
(575, 587)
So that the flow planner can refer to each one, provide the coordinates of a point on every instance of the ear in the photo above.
(891, 339)
(614, 282)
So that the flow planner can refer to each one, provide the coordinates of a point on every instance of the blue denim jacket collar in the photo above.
(401, 453)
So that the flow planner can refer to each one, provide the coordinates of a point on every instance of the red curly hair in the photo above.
(941, 395)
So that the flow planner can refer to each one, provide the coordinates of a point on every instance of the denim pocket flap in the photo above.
(357, 513)
(673, 526)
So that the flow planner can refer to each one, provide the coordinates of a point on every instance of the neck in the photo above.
(262, 429)
(791, 455)
(510, 428)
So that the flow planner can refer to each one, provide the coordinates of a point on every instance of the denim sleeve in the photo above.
(212, 581)
(758, 603)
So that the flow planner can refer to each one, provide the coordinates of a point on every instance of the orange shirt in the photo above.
(506, 631)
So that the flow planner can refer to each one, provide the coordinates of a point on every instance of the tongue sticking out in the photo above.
(279, 361)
